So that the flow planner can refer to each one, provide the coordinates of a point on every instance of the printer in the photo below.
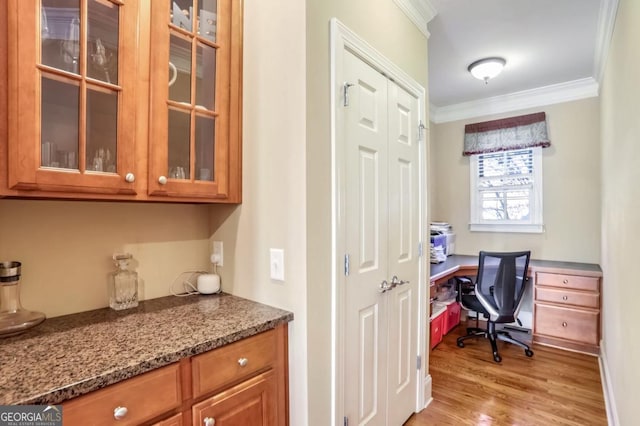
(443, 236)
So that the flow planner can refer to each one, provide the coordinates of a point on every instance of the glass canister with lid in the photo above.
(14, 318)
(123, 286)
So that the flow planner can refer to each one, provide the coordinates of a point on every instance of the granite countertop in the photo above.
(72, 355)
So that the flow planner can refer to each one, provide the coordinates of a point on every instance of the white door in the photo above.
(381, 226)
(403, 257)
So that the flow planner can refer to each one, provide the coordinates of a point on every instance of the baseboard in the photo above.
(428, 398)
(607, 389)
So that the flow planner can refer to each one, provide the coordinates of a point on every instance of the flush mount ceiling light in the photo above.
(487, 68)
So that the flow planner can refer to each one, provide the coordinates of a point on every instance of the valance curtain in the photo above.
(524, 131)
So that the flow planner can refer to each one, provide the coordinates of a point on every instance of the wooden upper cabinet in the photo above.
(123, 99)
(71, 96)
(194, 110)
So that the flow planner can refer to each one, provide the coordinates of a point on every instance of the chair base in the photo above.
(493, 336)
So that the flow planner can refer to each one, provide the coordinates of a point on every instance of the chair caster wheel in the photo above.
(460, 344)
(497, 358)
(528, 352)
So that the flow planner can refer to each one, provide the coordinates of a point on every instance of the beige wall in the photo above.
(389, 31)
(273, 211)
(286, 182)
(571, 186)
(66, 246)
(621, 212)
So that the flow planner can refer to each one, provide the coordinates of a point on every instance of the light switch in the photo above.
(277, 264)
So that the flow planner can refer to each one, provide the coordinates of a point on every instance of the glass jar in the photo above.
(123, 286)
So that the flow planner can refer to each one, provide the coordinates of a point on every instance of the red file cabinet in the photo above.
(437, 325)
(451, 317)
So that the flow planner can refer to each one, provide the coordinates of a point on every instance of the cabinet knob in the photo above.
(120, 412)
(565, 281)
(243, 362)
(162, 180)
(209, 421)
(130, 177)
(564, 297)
(564, 324)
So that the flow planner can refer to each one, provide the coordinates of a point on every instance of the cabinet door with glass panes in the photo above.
(72, 96)
(195, 85)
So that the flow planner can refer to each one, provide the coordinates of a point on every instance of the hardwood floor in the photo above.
(555, 387)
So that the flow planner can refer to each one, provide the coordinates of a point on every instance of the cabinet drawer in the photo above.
(568, 297)
(576, 282)
(234, 362)
(567, 323)
(144, 397)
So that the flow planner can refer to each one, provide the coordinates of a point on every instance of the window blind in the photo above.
(505, 184)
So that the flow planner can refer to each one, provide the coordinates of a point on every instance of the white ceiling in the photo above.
(544, 42)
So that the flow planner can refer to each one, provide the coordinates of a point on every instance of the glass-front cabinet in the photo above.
(122, 99)
(72, 96)
(191, 90)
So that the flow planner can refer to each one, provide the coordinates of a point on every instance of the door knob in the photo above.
(395, 281)
(385, 286)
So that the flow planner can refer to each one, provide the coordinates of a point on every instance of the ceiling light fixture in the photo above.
(487, 68)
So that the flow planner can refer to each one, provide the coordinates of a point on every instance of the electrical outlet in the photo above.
(277, 264)
(217, 253)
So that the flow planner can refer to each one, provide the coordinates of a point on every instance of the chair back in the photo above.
(501, 283)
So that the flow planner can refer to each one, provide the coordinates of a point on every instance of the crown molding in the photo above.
(604, 33)
(541, 96)
(420, 12)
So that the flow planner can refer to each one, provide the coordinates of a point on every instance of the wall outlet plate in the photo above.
(218, 252)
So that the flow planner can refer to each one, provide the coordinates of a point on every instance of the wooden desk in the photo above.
(566, 299)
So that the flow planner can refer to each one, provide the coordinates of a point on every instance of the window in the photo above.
(506, 191)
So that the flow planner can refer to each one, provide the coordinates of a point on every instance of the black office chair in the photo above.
(499, 288)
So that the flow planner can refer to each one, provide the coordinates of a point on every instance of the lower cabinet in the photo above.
(243, 383)
(249, 403)
(567, 311)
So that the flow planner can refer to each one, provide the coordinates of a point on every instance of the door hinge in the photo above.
(420, 249)
(345, 92)
(421, 129)
(419, 363)
(346, 265)
(346, 421)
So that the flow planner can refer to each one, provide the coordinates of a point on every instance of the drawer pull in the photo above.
(243, 362)
(564, 324)
(120, 412)
(565, 281)
(209, 421)
(564, 297)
